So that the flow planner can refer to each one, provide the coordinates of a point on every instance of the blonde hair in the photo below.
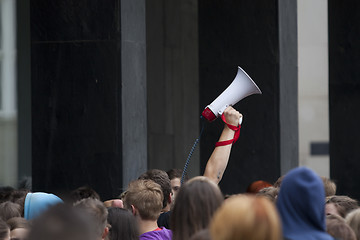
(329, 186)
(353, 220)
(246, 217)
(146, 196)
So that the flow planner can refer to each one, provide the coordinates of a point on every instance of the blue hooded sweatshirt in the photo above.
(301, 204)
(163, 234)
(37, 203)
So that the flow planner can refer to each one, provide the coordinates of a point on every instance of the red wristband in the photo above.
(232, 127)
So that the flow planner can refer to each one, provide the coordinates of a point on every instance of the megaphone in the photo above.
(241, 87)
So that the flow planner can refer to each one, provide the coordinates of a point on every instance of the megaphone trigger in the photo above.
(240, 120)
(222, 109)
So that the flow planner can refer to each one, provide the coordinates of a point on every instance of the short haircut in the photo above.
(176, 173)
(343, 204)
(146, 196)
(337, 227)
(161, 178)
(246, 217)
(62, 222)
(96, 211)
(270, 193)
(18, 222)
(9, 210)
(330, 186)
(353, 220)
(82, 193)
(123, 224)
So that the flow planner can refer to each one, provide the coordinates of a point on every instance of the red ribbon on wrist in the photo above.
(232, 127)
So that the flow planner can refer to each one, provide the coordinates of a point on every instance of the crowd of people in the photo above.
(299, 205)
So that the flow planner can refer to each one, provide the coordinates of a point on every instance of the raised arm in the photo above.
(219, 158)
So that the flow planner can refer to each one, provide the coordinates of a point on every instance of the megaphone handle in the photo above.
(232, 127)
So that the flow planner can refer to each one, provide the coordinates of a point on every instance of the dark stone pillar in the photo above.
(173, 83)
(261, 37)
(344, 94)
(76, 95)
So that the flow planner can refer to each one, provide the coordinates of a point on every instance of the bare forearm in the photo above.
(219, 158)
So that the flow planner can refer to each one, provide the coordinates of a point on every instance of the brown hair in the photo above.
(96, 211)
(353, 220)
(246, 217)
(146, 196)
(82, 193)
(4, 230)
(18, 222)
(161, 178)
(343, 204)
(174, 173)
(195, 204)
(9, 210)
(270, 193)
(337, 227)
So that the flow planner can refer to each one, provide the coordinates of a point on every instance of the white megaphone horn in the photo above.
(241, 87)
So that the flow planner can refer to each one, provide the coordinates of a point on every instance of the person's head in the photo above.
(337, 227)
(196, 203)
(175, 180)
(9, 210)
(330, 186)
(144, 199)
(19, 228)
(256, 186)
(123, 225)
(270, 193)
(4, 231)
(160, 177)
(36, 203)
(246, 217)
(353, 220)
(301, 205)
(62, 222)
(95, 210)
(340, 205)
(82, 193)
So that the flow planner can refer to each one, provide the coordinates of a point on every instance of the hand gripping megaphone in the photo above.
(241, 87)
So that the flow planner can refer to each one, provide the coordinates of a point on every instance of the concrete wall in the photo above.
(313, 83)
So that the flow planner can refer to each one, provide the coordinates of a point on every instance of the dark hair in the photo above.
(19, 196)
(4, 230)
(123, 225)
(343, 204)
(195, 204)
(337, 227)
(82, 193)
(62, 222)
(9, 210)
(5, 193)
(18, 222)
(176, 173)
(161, 178)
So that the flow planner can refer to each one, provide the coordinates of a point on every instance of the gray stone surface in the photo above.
(133, 90)
(288, 75)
